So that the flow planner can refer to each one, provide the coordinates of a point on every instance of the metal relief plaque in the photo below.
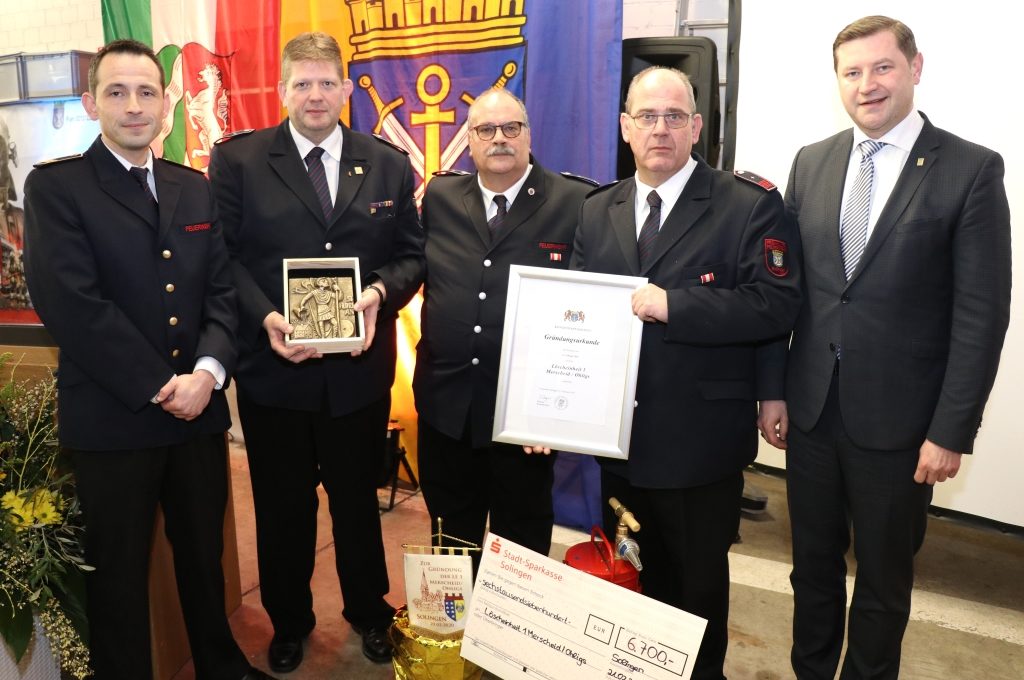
(319, 297)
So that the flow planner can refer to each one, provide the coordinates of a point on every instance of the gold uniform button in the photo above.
(166, 254)
(169, 287)
(175, 353)
(173, 321)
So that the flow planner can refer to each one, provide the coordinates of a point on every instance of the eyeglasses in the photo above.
(674, 119)
(510, 129)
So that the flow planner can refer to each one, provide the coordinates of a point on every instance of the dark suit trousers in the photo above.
(684, 542)
(290, 453)
(461, 484)
(832, 484)
(119, 492)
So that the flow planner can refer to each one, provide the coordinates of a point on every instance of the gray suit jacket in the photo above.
(922, 320)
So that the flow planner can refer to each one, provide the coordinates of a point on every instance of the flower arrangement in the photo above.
(41, 553)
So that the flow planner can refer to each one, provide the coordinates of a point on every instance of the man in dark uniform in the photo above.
(128, 270)
(312, 187)
(719, 255)
(512, 211)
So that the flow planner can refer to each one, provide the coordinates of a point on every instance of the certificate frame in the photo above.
(342, 329)
(569, 357)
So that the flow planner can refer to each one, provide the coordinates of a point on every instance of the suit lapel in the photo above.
(474, 205)
(285, 161)
(831, 194)
(117, 182)
(923, 156)
(692, 203)
(353, 169)
(167, 194)
(530, 198)
(622, 217)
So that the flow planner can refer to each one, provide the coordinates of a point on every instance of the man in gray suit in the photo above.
(906, 237)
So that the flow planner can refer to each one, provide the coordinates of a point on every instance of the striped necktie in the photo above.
(649, 232)
(853, 229)
(315, 168)
(494, 224)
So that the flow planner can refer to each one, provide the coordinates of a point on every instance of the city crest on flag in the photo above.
(454, 606)
(417, 66)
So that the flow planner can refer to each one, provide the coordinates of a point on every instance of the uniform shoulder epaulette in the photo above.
(235, 135)
(581, 178)
(450, 173)
(602, 188)
(754, 179)
(54, 161)
(391, 144)
(183, 166)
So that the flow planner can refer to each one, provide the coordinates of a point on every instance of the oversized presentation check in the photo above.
(533, 617)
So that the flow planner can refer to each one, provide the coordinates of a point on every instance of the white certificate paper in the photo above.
(569, 357)
(533, 617)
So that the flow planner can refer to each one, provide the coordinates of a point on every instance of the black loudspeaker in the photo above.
(697, 57)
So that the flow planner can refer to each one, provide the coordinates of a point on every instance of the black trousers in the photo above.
(684, 541)
(290, 454)
(462, 484)
(833, 484)
(119, 492)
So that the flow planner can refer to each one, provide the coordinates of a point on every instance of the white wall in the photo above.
(788, 98)
(50, 25)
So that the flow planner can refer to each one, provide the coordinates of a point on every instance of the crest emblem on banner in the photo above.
(418, 65)
(454, 606)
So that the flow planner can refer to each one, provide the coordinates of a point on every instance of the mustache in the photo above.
(500, 151)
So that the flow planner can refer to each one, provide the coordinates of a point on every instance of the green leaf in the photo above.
(70, 592)
(15, 627)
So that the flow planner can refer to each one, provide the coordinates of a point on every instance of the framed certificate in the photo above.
(569, 358)
(319, 296)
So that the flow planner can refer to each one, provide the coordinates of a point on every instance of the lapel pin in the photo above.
(920, 162)
(531, 191)
(359, 170)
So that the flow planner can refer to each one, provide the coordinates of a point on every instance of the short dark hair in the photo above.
(868, 26)
(122, 46)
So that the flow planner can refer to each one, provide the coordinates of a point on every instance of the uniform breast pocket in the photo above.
(382, 210)
(700, 275)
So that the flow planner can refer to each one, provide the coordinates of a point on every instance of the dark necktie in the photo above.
(649, 232)
(141, 176)
(853, 228)
(494, 224)
(315, 168)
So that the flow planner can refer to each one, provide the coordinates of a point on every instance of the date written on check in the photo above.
(533, 617)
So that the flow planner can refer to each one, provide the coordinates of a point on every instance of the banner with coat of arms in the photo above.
(416, 66)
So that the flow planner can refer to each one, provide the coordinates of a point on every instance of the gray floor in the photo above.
(968, 618)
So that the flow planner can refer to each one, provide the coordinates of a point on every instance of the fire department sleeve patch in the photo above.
(775, 258)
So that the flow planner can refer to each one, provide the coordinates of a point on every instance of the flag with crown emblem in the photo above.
(416, 66)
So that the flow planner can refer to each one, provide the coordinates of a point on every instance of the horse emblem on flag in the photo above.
(419, 64)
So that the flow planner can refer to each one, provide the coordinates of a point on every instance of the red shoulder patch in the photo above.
(775, 259)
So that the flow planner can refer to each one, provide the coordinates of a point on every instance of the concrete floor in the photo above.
(967, 621)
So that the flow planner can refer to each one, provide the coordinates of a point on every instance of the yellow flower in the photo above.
(3, 475)
(44, 507)
(39, 508)
(21, 516)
